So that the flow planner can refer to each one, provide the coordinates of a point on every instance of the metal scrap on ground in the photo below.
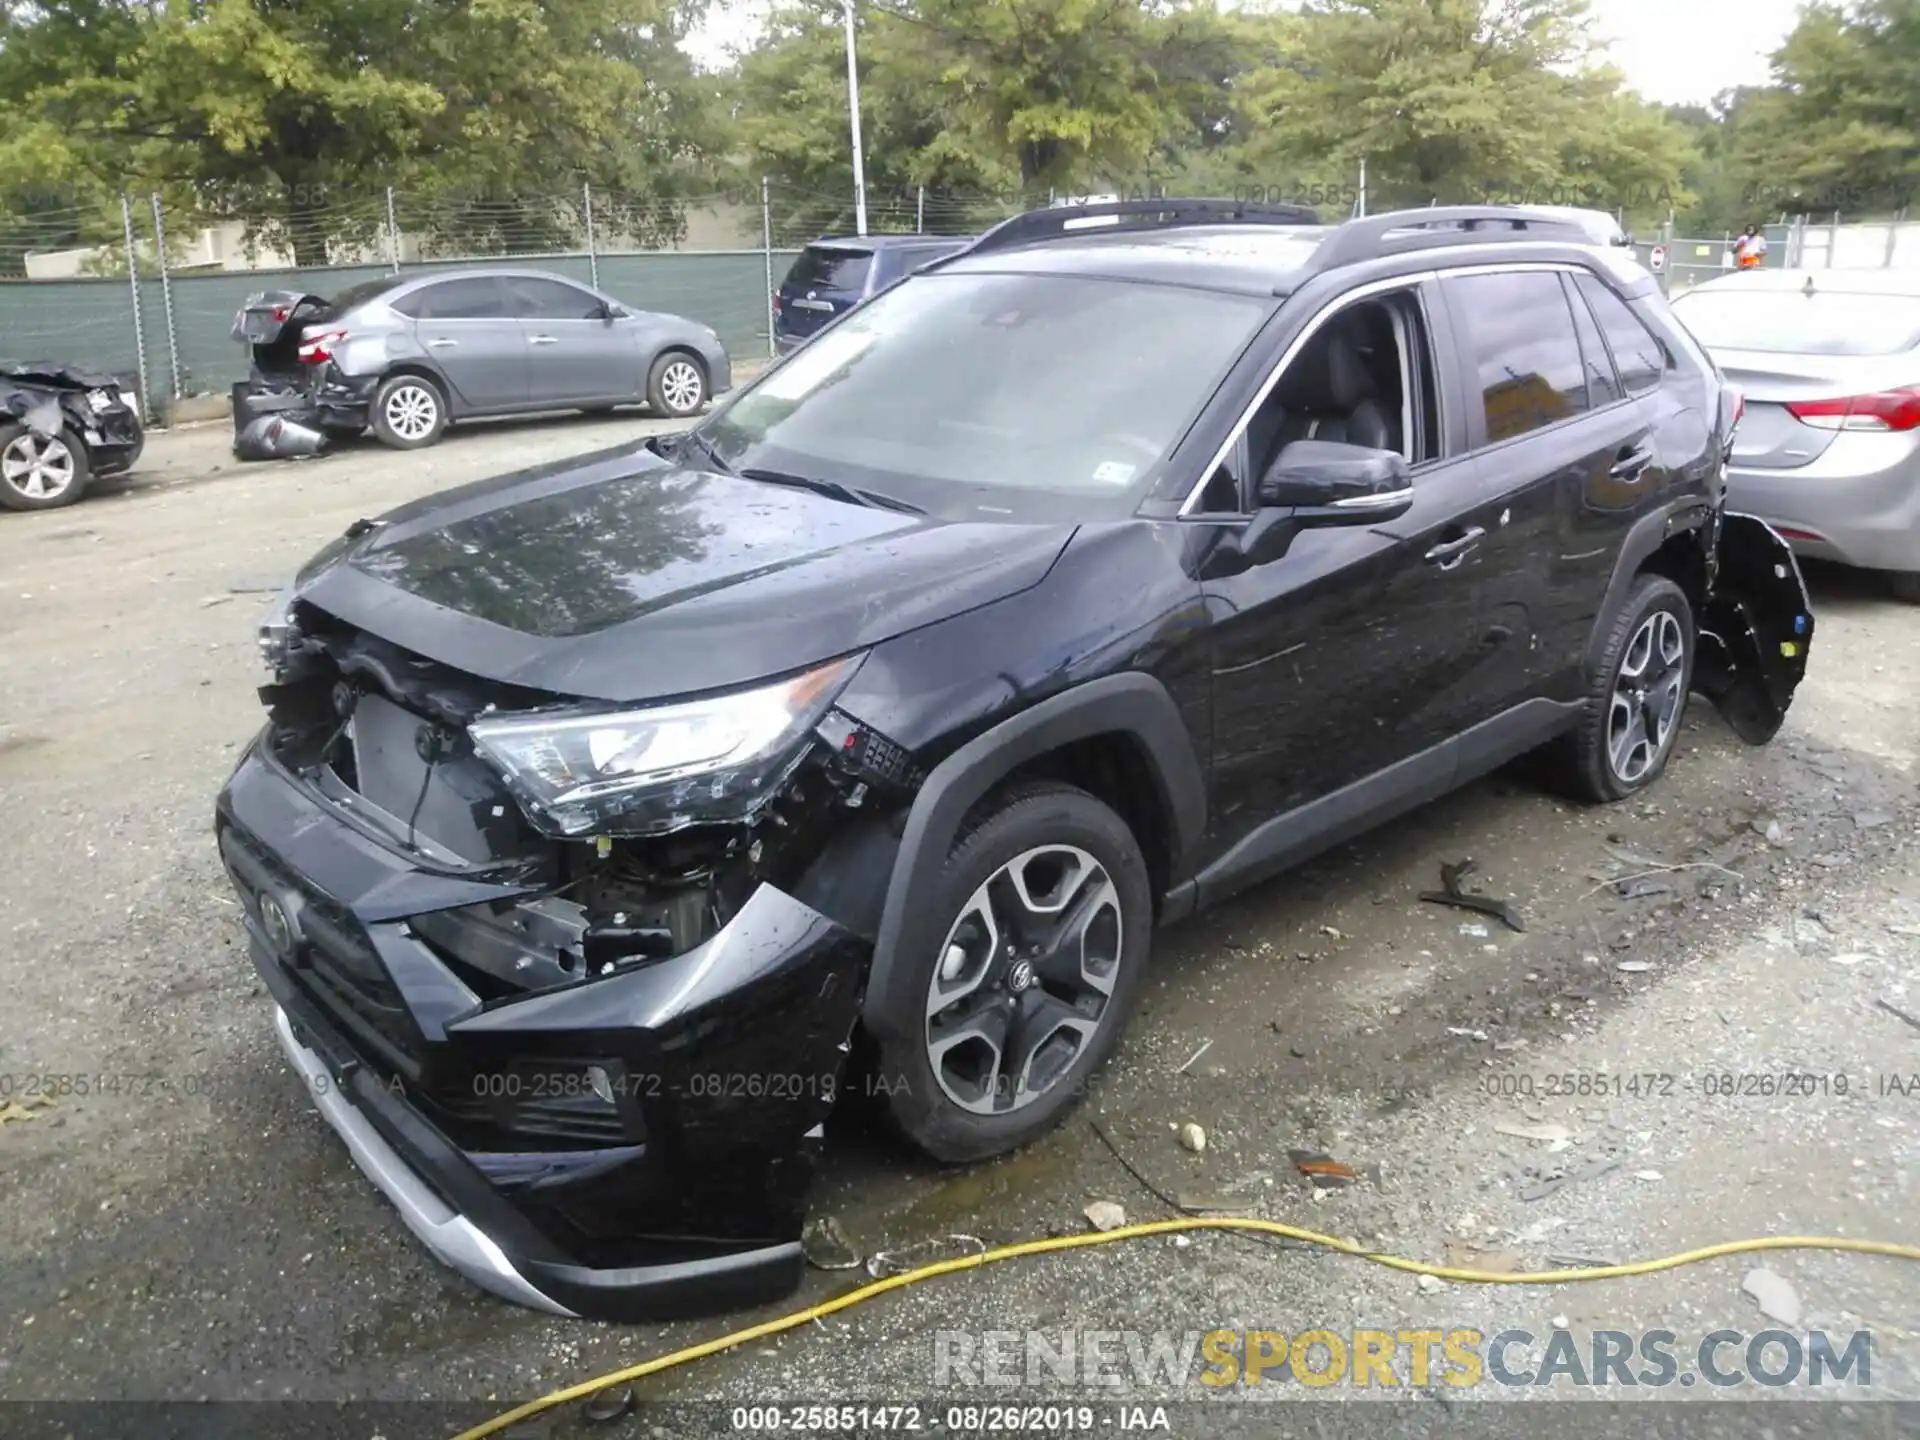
(1456, 895)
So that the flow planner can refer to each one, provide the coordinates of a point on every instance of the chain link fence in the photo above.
(147, 289)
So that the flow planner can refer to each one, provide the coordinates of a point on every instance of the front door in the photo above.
(467, 330)
(1354, 651)
(575, 354)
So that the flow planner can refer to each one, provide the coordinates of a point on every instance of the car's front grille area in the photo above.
(546, 1102)
(337, 964)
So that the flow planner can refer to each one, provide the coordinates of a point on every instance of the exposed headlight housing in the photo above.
(661, 768)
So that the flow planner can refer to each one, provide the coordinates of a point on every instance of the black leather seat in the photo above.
(1328, 393)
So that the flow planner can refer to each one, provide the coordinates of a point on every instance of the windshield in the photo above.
(974, 395)
(1787, 322)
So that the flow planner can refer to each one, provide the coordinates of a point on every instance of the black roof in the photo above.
(887, 242)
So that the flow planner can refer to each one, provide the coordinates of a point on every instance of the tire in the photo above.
(677, 384)
(1603, 761)
(1906, 586)
(409, 412)
(40, 472)
(1078, 859)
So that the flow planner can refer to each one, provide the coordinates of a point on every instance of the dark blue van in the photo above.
(833, 275)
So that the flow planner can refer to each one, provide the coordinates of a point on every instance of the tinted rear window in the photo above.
(1786, 322)
(822, 268)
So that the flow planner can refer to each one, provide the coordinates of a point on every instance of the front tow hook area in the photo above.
(1755, 630)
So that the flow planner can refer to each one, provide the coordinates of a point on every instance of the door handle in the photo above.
(1631, 463)
(441, 344)
(1449, 553)
(541, 340)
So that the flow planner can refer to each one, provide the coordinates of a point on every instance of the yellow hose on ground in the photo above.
(1169, 1227)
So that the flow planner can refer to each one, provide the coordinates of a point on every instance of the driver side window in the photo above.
(1364, 377)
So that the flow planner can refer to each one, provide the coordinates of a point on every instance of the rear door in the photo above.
(467, 327)
(1566, 463)
(575, 355)
(827, 280)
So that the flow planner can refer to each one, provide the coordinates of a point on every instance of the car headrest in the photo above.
(1329, 376)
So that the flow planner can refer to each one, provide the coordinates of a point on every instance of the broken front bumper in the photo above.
(1756, 628)
(637, 1145)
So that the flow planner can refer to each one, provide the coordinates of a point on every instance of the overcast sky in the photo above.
(1672, 51)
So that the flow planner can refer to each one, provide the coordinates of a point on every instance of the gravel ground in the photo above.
(190, 1229)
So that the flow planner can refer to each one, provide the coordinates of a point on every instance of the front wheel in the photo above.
(676, 385)
(40, 472)
(1048, 912)
(409, 412)
(1639, 694)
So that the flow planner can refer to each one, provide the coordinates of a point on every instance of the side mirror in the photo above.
(611, 311)
(1323, 482)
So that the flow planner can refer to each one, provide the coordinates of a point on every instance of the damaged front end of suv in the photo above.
(564, 975)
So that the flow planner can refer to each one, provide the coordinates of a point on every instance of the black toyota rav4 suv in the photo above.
(613, 818)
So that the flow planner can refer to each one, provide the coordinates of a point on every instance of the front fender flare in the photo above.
(1133, 704)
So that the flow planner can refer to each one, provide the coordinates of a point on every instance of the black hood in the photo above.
(624, 577)
(56, 376)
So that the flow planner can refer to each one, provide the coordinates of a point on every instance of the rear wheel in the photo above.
(1639, 694)
(677, 384)
(409, 412)
(1047, 910)
(40, 472)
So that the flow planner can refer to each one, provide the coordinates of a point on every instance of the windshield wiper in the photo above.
(833, 489)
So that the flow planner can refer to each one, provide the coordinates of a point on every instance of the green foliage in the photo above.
(299, 115)
(1458, 101)
(1841, 127)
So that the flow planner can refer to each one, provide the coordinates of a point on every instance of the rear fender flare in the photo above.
(1134, 704)
(1648, 534)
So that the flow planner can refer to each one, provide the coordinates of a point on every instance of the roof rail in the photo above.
(1398, 230)
(1163, 214)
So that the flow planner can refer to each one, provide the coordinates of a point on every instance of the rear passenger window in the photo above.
(1520, 329)
(473, 299)
(1603, 386)
(1639, 358)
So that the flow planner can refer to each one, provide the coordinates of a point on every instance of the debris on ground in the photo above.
(1560, 1322)
(1633, 967)
(1898, 1013)
(1431, 1284)
(23, 1108)
(1208, 1045)
(1851, 958)
(1550, 1133)
(1648, 1175)
(1324, 1171)
(826, 1246)
(1193, 1138)
(1774, 1296)
(1454, 893)
(1211, 1204)
(1105, 1215)
(610, 1404)
(883, 1263)
(1465, 1255)
(1553, 1184)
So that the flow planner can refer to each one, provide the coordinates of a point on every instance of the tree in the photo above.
(1841, 129)
(1005, 100)
(297, 116)
(1462, 101)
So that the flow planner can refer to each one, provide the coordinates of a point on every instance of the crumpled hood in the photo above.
(623, 577)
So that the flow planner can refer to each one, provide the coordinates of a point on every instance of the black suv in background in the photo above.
(832, 276)
(613, 818)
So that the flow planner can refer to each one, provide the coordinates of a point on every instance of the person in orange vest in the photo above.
(1750, 250)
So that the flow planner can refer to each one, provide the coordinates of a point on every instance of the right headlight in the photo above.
(660, 768)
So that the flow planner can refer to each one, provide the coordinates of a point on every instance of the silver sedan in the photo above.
(1829, 448)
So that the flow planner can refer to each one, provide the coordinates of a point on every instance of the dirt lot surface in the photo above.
(190, 1229)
